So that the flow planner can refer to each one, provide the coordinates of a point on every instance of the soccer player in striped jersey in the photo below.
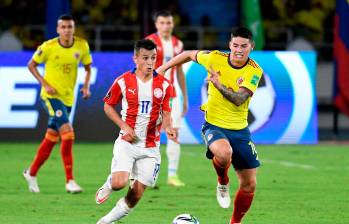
(233, 78)
(61, 56)
(144, 97)
(168, 46)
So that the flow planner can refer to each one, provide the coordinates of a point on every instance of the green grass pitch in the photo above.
(297, 184)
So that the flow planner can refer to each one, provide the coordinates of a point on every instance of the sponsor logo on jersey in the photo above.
(133, 91)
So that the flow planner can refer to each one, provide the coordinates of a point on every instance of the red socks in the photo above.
(44, 151)
(242, 203)
(67, 153)
(222, 171)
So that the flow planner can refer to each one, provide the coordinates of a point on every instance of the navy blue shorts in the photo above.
(58, 112)
(244, 151)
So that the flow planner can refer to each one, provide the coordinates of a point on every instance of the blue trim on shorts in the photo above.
(244, 152)
(61, 113)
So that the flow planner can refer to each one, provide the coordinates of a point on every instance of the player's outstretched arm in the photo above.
(183, 57)
(236, 98)
(32, 66)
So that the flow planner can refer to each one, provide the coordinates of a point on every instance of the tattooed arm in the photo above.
(236, 98)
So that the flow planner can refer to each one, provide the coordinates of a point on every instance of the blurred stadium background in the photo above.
(303, 45)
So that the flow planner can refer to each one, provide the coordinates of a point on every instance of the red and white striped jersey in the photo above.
(166, 50)
(141, 104)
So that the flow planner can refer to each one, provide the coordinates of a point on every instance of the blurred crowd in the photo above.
(14, 17)
(310, 21)
(284, 21)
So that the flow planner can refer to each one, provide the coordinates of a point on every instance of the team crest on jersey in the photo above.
(59, 113)
(158, 93)
(77, 55)
(209, 137)
(239, 81)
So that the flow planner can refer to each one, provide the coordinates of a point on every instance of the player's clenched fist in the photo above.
(171, 134)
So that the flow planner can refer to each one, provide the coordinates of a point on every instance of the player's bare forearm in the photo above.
(167, 125)
(183, 86)
(113, 115)
(87, 76)
(86, 93)
(236, 98)
(181, 80)
(183, 57)
(128, 134)
(32, 66)
(166, 120)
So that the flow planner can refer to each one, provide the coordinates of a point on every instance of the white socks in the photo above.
(108, 182)
(120, 210)
(173, 153)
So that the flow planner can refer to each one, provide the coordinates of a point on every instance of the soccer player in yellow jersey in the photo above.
(61, 56)
(233, 78)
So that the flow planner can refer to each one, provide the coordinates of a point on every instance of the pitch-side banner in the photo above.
(282, 110)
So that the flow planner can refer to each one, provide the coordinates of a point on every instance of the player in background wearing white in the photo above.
(168, 46)
(144, 96)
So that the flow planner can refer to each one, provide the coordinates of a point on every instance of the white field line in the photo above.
(289, 164)
(280, 162)
(193, 153)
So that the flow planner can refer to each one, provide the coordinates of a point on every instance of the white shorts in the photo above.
(143, 164)
(176, 112)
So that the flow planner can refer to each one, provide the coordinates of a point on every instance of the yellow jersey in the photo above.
(61, 66)
(218, 110)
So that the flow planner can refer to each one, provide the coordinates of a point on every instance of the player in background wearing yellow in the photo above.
(61, 56)
(233, 78)
(169, 46)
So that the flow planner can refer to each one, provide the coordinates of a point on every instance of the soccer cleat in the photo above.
(103, 193)
(73, 187)
(175, 181)
(223, 195)
(31, 180)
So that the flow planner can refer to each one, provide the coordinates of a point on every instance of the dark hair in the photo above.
(66, 17)
(145, 44)
(163, 13)
(242, 32)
